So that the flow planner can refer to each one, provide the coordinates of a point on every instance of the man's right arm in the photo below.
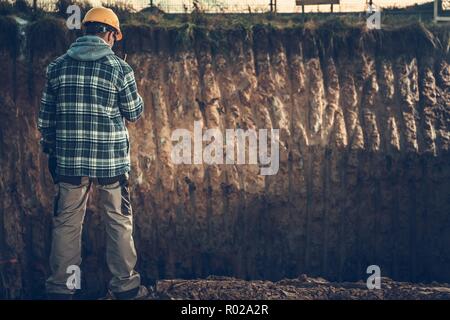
(131, 104)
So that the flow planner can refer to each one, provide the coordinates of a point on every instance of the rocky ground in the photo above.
(301, 288)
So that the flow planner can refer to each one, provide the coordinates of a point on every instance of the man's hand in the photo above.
(52, 167)
(48, 144)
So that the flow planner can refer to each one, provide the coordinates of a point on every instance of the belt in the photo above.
(76, 180)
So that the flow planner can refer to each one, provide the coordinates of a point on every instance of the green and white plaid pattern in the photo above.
(82, 114)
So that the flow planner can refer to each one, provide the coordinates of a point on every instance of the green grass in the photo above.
(184, 30)
(46, 29)
(390, 17)
(9, 35)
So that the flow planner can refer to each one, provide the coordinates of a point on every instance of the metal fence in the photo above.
(246, 6)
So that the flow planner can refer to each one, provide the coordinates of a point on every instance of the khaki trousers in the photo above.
(69, 211)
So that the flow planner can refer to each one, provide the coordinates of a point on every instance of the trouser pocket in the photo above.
(115, 193)
(71, 195)
(125, 201)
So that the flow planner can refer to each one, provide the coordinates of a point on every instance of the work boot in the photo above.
(139, 293)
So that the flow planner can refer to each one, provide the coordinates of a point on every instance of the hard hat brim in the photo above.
(105, 16)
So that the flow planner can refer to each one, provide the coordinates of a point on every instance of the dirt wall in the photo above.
(364, 174)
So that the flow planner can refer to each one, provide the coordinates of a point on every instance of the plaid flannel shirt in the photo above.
(82, 114)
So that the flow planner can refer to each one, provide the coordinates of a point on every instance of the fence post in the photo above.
(435, 10)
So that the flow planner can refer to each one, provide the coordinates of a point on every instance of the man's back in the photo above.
(83, 108)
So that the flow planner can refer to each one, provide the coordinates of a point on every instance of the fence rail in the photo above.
(247, 6)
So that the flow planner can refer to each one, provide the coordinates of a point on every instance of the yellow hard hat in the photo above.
(106, 16)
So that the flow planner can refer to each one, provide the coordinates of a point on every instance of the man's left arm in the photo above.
(47, 118)
(47, 126)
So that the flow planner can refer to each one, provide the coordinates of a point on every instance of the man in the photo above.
(88, 94)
